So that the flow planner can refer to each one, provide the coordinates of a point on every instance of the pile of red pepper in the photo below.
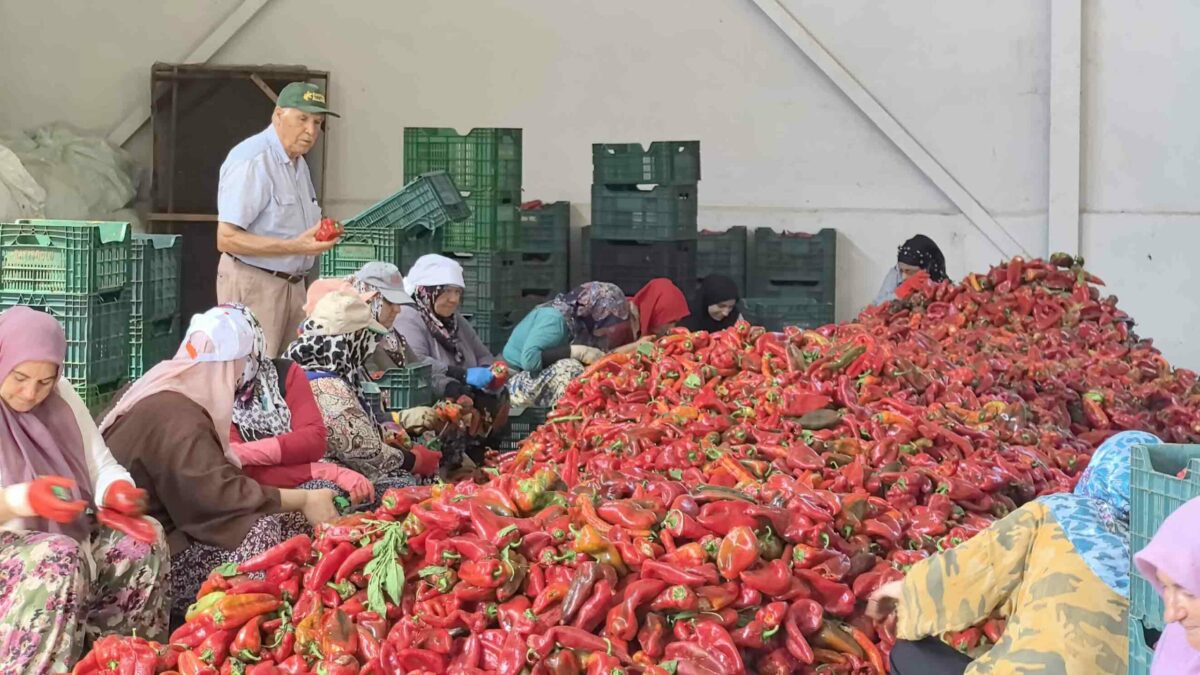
(717, 503)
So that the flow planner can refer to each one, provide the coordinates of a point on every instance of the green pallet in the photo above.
(156, 280)
(546, 229)
(97, 329)
(666, 213)
(407, 387)
(361, 245)
(521, 426)
(152, 342)
(1140, 655)
(484, 160)
(494, 225)
(427, 202)
(64, 256)
(780, 263)
(723, 253)
(1156, 492)
(775, 313)
(663, 163)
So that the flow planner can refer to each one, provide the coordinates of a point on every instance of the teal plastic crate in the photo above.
(361, 245)
(494, 224)
(1140, 655)
(546, 229)
(155, 278)
(723, 253)
(539, 274)
(152, 342)
(775, 313)
(521, 426)
(485, 159)
(663, 163)
(1156, 491)
(64, 256)
(407, 387)
(427, 202)
(488, 279)
(665, 213)
(97, 329)
(780, 263)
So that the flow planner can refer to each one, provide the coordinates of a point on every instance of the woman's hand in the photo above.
(125, 499)
(586, 355)
(318, 506)
(883, 602)
(361, 490)
(49, 497)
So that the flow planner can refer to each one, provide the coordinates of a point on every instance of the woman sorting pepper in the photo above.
(712, 307)
(171, 430)
(1057, 569)
(1171, 563)
(333, 348)
(437, 333)
(554, 342)
(654, 311)
(918, 262)
(67, 579)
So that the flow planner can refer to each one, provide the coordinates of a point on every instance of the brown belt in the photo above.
(290, 278)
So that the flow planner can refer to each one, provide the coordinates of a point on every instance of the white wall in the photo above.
(781, 146)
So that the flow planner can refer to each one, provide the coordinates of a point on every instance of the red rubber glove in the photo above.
(911, 284)
(51, 498)
(125, 499)
(427, 460)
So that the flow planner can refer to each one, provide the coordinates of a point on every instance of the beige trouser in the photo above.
(277, 303)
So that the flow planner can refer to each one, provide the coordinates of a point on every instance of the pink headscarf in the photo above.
(1175, 549)
(45, 441)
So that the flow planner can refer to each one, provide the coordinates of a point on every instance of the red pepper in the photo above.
(247, 644)
(704, 574)
(343, 664)
(327, 566)
(297, 549)
(738, 551)
(295, 665)
(716, 598)
(678, 598)
(353, 563)
(628, 514)
(771, 579)
(592, 613)
(328, 230)
(569, 637)
(622, 619)
(136, 527)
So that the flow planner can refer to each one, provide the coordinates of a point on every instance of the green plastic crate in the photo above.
(494, 225)
(1156, 492)
(484, 159)
(155, 279)
(666, 213)
(663, 163)
(521, 426)
(427, 202)
(361, 245)
(98, 397)
(1140, 655)
(723, 253)
(775, 313)
(493, 327)
(539, 274)
(489, 280)
(407, 387)
(97, 329)
(584, 271)
(632, 264)
(546, 229)
(780, 263)
(152, 342)
(64, 256)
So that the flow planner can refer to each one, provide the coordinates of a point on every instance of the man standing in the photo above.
(268, 216)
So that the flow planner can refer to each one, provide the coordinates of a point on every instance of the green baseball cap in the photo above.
(304, 96)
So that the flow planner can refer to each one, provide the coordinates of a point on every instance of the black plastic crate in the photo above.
(665, 213)
(776, 313)
(632, 264)
(546, 228)
(723, 253)
(539, 272)
(663, 163)
(585, 257)
(521, 426)
(778, 262)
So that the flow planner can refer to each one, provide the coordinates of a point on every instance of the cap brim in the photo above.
(317, 109)
(397, 297)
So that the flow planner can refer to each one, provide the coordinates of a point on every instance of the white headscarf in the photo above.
(433, 270)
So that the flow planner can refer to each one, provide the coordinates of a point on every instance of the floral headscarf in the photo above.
(259, 409)
(443, 329)
(393, 344)
(343, 355)
(589, 307)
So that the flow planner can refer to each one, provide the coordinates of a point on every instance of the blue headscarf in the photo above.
(1095, 517)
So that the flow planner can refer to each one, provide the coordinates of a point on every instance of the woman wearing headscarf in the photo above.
(918, 260)
(654, 311)
(1057, 568)
(334, 345)
(1171, 563)
(66, 580)
(171, 430)
(381, 286)
(712, 307)
(554, 342)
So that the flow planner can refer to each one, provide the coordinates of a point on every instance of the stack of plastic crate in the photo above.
(154, 291)
(723, 253)
(79, 273)
(542, 269)
(790, 276)
(644, 213)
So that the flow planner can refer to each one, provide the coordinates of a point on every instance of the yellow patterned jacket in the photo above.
(1061, 617)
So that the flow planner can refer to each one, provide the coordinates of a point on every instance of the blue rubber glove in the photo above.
(480, 378)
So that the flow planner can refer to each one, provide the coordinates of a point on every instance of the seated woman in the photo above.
(712, 307)
(171, 430)
(1058, 567)
(654, 311)
(278, 433)
(437, 333)
(918, 261)
(554, 342)
(1171, 563)
(66, 580)
(333, 348)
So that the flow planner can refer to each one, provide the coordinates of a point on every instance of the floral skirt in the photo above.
(58, 595)
(543, 389)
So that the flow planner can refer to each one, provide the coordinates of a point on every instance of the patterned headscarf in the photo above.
(393, 344)
(591, 306)
(444, 329)
(1095, 517)
(343, 355)
(920, 251)
(259, 409)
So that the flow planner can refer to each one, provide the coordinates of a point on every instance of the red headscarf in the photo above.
(659, 302)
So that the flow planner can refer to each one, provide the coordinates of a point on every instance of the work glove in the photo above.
(586, 355)
(361, 490)
(417, 418)
(49, 497)
(912, 284)
(395, 435)
(480, 378)
(263, 452)
(122, 497)
(426, 461)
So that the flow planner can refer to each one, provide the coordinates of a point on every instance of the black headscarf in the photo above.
(920, 251)
(714, 289)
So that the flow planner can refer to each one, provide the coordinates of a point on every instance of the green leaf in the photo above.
(227, 570)
(669, 666)
(693, 381)
(341, 503)
(646, 349)
(675, 474)
(432, 570)
(395, 582)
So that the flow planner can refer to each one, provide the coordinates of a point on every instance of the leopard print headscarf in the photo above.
(343, 355)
